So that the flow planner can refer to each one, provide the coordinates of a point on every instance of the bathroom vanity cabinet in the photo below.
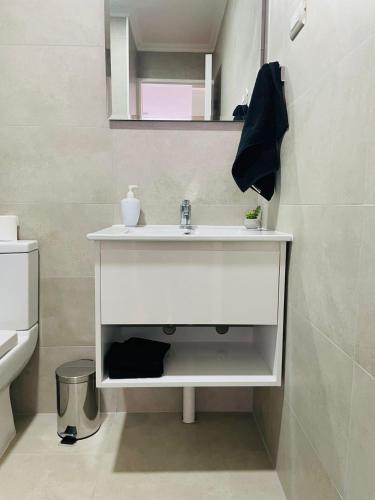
(152, 276)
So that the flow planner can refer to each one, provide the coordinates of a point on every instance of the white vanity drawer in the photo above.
(189, 282)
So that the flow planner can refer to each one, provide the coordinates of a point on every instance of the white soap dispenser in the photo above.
(130, 208)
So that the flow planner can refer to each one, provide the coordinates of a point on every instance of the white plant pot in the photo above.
(251, 223)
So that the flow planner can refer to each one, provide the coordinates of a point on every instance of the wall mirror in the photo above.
(188, 60)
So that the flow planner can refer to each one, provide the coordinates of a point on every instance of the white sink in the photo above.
(195, 233)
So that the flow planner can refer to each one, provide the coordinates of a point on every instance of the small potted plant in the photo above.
(252, 218)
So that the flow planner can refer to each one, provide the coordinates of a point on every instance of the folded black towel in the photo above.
(258, 156)
(136, 358)
(123, 372)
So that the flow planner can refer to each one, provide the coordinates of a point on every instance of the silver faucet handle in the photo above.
(185, 211)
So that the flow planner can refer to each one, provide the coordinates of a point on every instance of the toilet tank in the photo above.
(19, 269)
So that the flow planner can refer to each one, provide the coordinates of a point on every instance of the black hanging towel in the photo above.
(258, 156)
(240, 112)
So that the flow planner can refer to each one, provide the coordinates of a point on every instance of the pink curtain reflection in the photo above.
(166, 101)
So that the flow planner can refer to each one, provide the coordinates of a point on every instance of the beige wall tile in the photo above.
(233, 399)
(108, 400)
(56, 164)
(67, 312)
(45, 85)
(365, 352)
(149, 400)
(318, 389)
(319, 155)
(172, 165)
(71, 22)
(34, 391)
(300, 471)
(201, 214)
(361, 463)
(224, 214)
(61, 230)
(268, 407)
(208, 399)
(336, 20)
(367, 130)
(324, 267)
(327, 162)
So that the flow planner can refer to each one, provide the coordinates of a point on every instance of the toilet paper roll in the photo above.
(8, 227)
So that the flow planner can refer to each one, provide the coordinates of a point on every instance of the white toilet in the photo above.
(19, 271)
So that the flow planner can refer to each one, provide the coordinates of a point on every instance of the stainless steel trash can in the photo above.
(78, 406)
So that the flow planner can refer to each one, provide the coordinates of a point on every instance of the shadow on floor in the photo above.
(161, 442)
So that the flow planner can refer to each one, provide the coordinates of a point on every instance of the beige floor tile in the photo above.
(38, 434)
(69, 477)
(141, 457)
(161, 442)
(160, 486)
(48, 476)
(156, 456)
(254, 485)
(21, 477)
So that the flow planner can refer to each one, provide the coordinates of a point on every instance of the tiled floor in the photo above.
(141, 457)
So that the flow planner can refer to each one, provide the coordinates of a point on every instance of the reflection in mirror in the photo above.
(182, 59)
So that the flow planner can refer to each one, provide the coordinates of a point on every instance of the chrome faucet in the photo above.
(185, 214)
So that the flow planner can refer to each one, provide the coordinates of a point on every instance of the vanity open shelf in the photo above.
(147, 277)
(245, 356)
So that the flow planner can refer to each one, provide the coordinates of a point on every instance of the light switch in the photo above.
(298, 20)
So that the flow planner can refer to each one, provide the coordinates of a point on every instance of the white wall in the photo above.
(133, 66)
(120, 77)
(238, 52)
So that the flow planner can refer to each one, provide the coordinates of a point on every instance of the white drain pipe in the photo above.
(188, 402)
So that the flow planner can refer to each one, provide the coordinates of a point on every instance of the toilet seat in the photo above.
(19, 301)
(8, 340)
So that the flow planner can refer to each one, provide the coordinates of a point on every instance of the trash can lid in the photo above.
(76, 372)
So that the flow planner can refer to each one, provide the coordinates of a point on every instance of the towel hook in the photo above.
(282, 73)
